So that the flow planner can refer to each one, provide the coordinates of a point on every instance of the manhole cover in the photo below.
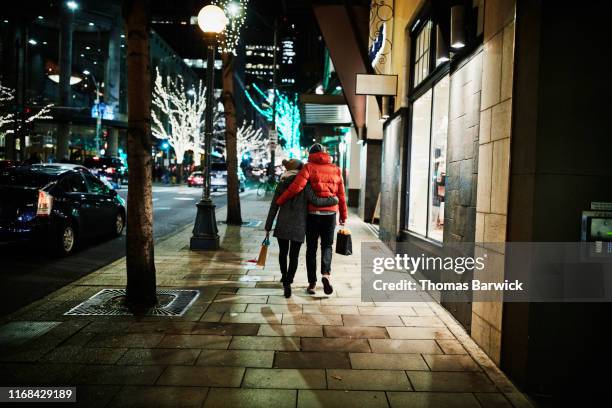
(248, 223)
(16, 333)
(108, 302)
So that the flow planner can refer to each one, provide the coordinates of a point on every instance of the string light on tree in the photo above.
(183, 112)
(8, 119)
(287, 117)
(235, 10)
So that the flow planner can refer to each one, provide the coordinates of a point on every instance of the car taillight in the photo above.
(45, 202)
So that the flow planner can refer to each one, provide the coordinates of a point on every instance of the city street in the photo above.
(413, 203)
(31, 275)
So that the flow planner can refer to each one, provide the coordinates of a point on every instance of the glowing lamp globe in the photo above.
(212, 19)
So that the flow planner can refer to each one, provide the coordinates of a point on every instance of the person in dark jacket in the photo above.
(326, 180)
(291, 221)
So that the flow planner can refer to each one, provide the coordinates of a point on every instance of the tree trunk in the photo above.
(233, 194)
(139, 241)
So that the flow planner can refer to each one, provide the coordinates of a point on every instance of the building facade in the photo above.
(492, 138)
(74, 59)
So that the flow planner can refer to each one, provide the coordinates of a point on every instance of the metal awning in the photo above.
(345, 30)
(324, 110)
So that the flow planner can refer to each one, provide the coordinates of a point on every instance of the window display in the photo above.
(427, 177)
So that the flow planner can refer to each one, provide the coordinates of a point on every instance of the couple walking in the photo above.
(307, 201)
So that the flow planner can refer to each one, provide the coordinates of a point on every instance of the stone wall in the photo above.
(494, 163)
(391, 180)
(370, 178)
(462, 152)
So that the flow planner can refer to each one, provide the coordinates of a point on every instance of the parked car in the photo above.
(7, 164)
(57, 206)
(109, 168)
(218, 177)
(195, 179)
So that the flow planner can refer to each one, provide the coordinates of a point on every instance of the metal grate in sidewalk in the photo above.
(16, 333)
(110, 302)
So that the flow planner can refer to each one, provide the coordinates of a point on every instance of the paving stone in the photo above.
(378, 361)
(451, 346)
(147, 396)
(295, 300)
(382, 310)
(95, 396)
(311, 359)
(159, 357)
(278, 309)
(300, 330)
(381, 321)
(229, 298)
(335, 344)
(84, 355)
(270, 318)
(432, 400)
(226, 329)
(202, 376)
(349, 301)
(404, 346)
(450, 381)
(116, 340)
(459, 362)
(424, 311)
(493, 400)
(207, 341)
(227, 307)
(355, 332)
(265, 343)
(118, 375)
(317, 319)
(384, 380)
(418, 333)
(37, 373)
(422, 321)
(172, 327)
(341, 399)
(260, 292)
(250, 398)
(211, 317)
(236, 358)
(330, 310)
(284, 378)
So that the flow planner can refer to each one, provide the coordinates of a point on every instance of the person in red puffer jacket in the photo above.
(326, 181)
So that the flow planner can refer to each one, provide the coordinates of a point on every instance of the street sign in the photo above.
(273, 135)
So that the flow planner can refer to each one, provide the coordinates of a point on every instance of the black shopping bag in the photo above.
(344, 244)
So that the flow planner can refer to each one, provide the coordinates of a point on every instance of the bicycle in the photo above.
(266, 185)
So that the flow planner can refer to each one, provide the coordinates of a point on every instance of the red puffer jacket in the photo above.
(325, 179)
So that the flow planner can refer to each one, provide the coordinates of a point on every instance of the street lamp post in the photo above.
(98, 113)
(212, 22)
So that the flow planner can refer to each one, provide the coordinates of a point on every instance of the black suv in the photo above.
(57, 205)
(111, 169)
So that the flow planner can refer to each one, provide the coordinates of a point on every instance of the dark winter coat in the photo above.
(291, 221)
(326, 181)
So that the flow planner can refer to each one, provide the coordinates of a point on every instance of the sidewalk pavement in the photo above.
(243, 344)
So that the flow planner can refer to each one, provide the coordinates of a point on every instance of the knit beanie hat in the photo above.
(292, 164)
(316, 148)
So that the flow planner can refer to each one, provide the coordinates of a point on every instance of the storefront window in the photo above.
(422, 54)
(427, 179)
(419, 164)
(437, 159)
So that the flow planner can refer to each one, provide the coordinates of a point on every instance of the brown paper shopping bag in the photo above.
(263, 253)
